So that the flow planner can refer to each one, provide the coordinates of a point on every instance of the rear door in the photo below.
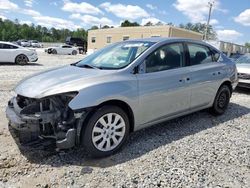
(163, 90)
(7, 52)
(205, 74)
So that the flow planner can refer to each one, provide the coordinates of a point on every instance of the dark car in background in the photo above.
(74, 41)
(77, 42)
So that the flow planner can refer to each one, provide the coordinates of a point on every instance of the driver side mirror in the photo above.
(140, 69)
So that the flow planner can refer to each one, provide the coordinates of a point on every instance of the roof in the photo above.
(161, 27)
(170, 39)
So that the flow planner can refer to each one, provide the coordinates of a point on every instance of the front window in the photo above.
(244, 59)
(170, 56)
(116, 56)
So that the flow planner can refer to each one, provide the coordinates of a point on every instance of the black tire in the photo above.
(86, 136)
(74, 52)
(221, 100)
(54, 51)
(21, 59)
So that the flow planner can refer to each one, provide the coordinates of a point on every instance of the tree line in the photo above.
(14, 30)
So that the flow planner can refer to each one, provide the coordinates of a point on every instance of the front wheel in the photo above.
(106, 131)
(221, 101)
(74, 52)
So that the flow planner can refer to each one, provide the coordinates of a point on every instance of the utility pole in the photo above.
(210, 4)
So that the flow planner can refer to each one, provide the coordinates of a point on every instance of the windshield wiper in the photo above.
(85, 66)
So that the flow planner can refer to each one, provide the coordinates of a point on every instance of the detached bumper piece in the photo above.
(32, 120)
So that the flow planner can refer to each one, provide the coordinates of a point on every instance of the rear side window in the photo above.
(199, 54)
(7, 46)
(167, 57)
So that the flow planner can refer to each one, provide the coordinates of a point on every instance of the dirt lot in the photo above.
(198, 150)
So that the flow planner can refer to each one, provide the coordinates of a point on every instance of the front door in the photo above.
(163, 84)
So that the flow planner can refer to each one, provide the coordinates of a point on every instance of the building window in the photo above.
(93, 39)
(125, 38)
(109, 39)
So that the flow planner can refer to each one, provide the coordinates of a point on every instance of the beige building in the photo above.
(230, 48)
(101, 37)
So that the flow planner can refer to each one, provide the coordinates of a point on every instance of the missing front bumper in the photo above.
(27, 129)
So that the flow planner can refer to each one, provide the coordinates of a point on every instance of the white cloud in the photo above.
(26, 22)
(243, 18)
(196, 10)
(7, 5)
(83, 7)
(3, 17)
(131, 12)
(28, 3)
(228, 35)
(152, 20)
(30, 12)
(92, 20)
(58, 23)
(152, 7)
(214, 22)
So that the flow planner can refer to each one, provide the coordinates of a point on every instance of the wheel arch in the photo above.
(229, 84)
(124, 106)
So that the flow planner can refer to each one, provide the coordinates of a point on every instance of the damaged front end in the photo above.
(50, 117)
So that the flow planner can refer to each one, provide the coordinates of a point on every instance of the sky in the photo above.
(230, 19)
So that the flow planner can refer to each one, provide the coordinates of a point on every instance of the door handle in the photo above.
(214, 73)
(219, 73)
(187, 79)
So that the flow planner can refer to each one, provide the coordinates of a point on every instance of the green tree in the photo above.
(200, 28)
(149, 24)
(94, 27)
(247, 44)
(127, 23)
(13, 30)
(105, 27)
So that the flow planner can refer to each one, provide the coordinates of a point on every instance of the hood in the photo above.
(60, 80)
(243, 68)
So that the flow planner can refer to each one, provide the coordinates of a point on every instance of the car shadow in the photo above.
(242, 90)
(14, 64)
(139, 143)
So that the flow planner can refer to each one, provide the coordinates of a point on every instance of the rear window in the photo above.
(199, 54)
(7, 46)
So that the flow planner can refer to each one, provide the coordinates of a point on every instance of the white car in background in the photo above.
(24, 43)
(62, 50)
(12, 53)
(243, 67)
(35, 44)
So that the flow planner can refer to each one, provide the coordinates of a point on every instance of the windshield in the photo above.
(244, 59)
(115, 56)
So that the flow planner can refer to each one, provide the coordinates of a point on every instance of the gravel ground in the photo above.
(198, 150)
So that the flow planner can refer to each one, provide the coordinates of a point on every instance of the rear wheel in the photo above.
(74, 52)
(106, 131)
(221, 101)
(21, 59)
(54, 51)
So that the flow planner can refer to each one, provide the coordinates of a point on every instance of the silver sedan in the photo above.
(243, 67)
(97, 102)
